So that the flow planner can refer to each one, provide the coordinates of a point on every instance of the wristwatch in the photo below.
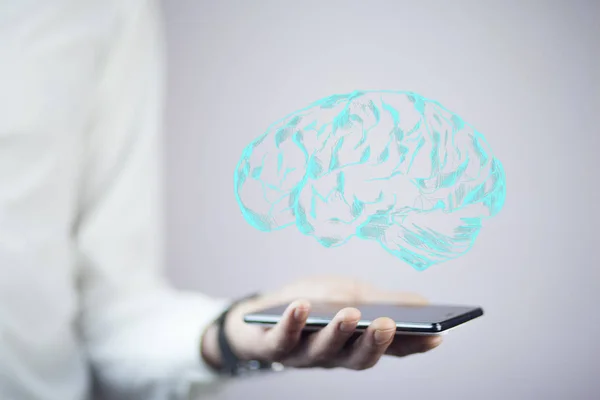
(231, 364)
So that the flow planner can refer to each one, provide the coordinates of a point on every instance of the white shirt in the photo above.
(81, 287)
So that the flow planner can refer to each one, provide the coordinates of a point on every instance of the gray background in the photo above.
(524, 73)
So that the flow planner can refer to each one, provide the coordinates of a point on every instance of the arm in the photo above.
(80, 242)
(143, 338)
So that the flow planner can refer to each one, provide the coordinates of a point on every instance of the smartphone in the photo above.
(410, 319)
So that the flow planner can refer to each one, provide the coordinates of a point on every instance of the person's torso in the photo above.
(51, 54)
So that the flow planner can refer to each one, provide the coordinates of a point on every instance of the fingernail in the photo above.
(300, 314)
(382, 336)
(348, 326)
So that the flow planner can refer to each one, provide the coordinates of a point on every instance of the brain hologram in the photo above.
(391, 167)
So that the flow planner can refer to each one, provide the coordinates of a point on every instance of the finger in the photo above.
(404, 345)
(372, 344)
(325, 345)
(282, 339)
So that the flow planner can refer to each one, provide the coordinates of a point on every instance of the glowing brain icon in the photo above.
(391, 167)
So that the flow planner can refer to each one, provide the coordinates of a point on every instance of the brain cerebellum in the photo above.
(390, 167)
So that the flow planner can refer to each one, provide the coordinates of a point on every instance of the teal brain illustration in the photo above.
(390, 167)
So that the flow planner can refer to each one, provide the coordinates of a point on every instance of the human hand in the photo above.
(330, 347)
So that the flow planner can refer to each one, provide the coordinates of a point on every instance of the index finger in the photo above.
(285, 335)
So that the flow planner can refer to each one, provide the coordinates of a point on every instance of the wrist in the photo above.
(236, 332)
(209, 348)
(224, 340)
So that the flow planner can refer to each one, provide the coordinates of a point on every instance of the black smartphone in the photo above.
(410, 319)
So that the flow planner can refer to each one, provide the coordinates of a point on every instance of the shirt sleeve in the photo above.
(142, 336)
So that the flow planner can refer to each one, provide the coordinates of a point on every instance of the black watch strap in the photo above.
(231, 364)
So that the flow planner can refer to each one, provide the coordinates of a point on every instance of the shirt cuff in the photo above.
(196, 316)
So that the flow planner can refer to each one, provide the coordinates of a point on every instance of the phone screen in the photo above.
(411, 317)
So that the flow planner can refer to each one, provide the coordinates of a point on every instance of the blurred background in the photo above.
(524, 73)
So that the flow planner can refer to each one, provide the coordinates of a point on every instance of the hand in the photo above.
(330, 347)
